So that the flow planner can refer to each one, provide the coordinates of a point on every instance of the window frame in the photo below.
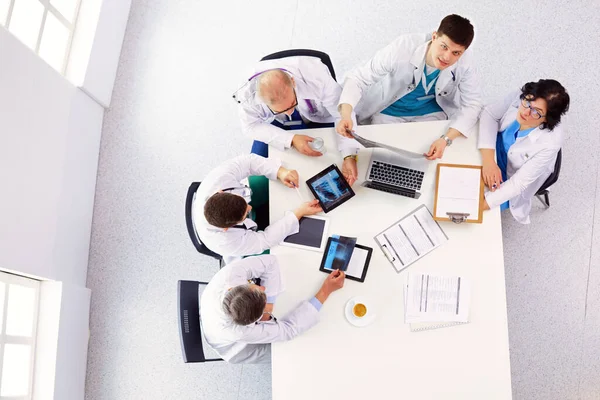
(7, 278)
(71, 26)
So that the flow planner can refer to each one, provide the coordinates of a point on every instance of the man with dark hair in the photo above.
(418, 77)
(221, 208)
(237, 318)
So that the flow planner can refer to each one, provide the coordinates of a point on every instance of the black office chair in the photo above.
(543, 191)
(325, 59)
(188, 311)
(201, 247)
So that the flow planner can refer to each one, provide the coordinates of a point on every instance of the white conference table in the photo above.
(385, 360)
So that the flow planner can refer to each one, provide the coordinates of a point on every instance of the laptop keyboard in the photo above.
(395, 175)
(392, 189)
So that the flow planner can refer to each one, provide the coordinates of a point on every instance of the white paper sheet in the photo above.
(411, 238)
(459, 192)
(430, 298)
(357, 262)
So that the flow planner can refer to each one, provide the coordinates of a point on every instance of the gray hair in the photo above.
(244, 304)
(272, 85)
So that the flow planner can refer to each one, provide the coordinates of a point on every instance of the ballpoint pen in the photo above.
(297, 191)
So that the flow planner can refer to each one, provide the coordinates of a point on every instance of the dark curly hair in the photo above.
(556, 97)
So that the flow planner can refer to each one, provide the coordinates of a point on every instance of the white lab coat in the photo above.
(530, 160)
(314, 83)
(374, 86)
(250, 343)
(239, 242)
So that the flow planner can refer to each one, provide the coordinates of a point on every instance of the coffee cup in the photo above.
(359, 310)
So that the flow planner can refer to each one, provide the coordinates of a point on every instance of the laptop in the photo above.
(394, 173)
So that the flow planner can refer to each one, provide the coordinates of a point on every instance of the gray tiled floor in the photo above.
(172, 120)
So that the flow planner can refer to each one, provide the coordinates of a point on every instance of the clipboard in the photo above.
(467, 211)
(402, 249)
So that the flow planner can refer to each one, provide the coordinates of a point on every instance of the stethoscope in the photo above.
(312, 110)
(413, 85)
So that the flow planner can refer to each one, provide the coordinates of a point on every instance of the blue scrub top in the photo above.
(416, 103)
(504, 141)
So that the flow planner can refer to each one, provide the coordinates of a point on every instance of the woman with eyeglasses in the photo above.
(519, 139)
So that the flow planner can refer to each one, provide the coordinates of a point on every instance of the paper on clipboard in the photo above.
(459, 191)
(411, 238)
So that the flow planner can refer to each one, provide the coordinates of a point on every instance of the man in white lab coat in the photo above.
(418, 77)
(237, 316)
(285, 95)
(221, 208)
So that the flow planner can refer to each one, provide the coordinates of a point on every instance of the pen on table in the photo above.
(297, 191)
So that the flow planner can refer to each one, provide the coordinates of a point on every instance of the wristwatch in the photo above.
(447, 139)
(354, 156)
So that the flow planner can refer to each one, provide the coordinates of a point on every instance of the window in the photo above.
(45, 26)
(19, 302)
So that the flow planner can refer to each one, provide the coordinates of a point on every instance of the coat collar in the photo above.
(418, 61)
(536, 134)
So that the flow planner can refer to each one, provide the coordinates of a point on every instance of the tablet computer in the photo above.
(312, 234)
(330, 188)
(335, 254)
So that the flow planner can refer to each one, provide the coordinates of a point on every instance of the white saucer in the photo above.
(356, 321)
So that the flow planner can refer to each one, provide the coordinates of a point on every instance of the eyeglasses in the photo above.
(535, 113)
(289, 108)
(242, 191)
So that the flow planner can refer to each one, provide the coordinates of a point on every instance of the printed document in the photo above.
(429, 298)
(411, 238)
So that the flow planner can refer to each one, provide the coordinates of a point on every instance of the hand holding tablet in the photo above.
(330, 188)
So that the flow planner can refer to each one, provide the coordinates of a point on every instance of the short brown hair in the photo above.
(245, 304)
(458, 29)
(224, 210)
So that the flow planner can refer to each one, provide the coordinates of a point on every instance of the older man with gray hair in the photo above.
(285, 95)
(237, 314)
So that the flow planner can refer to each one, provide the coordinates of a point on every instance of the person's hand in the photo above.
(491, 174)
(300, 143)
(350, 170)
(333, 282)
(436, 150)
(288, 177)
(308, 208)
(344, 128)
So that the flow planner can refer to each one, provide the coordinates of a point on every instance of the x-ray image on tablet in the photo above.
(344, 254)
(338, 252)
(330, 188)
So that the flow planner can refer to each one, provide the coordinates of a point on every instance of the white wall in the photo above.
(96, 47)
(49, 144)
(73, 338)
(62, 342)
